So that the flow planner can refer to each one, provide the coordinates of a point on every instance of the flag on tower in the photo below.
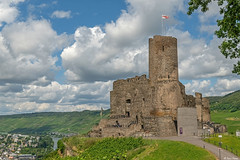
(165, 17)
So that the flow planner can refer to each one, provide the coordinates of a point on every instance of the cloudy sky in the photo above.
(60, 55)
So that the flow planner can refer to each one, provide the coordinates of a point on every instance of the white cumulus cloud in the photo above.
(121, 49)
(8, 10)
(225, 85)
(27, 50)
(201, 86)
(54, 97)
(199, 59)
(61, 14)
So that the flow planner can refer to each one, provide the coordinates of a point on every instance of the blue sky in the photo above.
(59, 55)
(82, 13)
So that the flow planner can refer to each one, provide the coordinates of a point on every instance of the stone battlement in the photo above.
(129, 80)
(136, 80)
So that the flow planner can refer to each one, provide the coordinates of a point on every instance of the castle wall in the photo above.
(199, 106)
(203, 108)
(167, 97)
(130, 97)
(206, 110)
(160, 126)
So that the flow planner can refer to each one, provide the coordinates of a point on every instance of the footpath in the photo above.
(220, 153)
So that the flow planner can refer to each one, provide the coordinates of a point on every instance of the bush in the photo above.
(61, 146)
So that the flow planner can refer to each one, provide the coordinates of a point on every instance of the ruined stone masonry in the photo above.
(157, 106)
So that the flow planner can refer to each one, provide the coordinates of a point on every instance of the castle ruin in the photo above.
(154, 106)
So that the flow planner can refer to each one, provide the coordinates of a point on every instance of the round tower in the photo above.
(163, 59)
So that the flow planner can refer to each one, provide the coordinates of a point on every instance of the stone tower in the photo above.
(167, 92)
(163, 59)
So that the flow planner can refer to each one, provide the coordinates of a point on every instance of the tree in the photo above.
(229, 26)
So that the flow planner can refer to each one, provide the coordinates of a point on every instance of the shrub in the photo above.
(61, 146)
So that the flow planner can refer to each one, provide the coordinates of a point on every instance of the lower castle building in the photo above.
(155, 106)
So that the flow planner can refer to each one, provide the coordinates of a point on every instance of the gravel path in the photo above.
(220, 153)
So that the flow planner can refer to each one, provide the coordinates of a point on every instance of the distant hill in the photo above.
(82, 122)
(40, 123)
(229, 102)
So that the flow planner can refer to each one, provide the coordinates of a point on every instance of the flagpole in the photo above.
(162, 27)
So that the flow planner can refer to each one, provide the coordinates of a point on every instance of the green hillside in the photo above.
(230, 119)
(226, 110)
(77, 147)
(40, 123)
(229, 102)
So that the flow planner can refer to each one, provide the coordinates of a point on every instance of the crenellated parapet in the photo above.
(130, 81)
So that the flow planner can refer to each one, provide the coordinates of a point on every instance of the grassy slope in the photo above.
(65, 122)
(171, 150)
(214, 99)
(226, 110)
(230, 102)
(231, 119)
(153, 149)
(229, 142)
